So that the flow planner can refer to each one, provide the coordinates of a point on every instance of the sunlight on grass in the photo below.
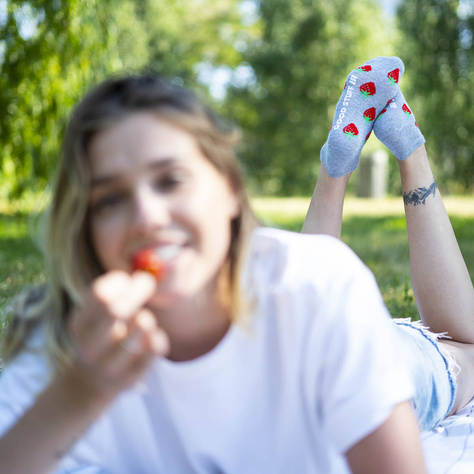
(374, 228)
(297, 207)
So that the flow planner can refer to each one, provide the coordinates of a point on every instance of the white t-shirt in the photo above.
(315, 373)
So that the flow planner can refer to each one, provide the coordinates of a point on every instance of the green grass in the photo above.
(20, 260)
(374, 229)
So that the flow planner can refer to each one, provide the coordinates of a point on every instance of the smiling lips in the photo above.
(153, 260)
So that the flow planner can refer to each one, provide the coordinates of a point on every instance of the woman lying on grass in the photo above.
(248, 350)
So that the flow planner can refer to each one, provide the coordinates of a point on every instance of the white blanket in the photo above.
(450, 448)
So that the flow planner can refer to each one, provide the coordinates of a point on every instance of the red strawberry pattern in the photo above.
(381, 113)
(369, 115)
(350, 131)
(367, 137)
(406, 110)
(367, 90)
(365, 68)
(393, 76)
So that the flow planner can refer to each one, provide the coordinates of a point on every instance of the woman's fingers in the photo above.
(143, 335)
(131, 353)
(116, 337)
(107, 309)
(123, 294)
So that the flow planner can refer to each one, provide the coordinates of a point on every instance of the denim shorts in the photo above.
(433, 370)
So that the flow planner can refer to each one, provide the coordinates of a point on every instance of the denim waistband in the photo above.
(433, 369)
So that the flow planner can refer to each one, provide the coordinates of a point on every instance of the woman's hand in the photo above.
(115, 335)
(116, 338)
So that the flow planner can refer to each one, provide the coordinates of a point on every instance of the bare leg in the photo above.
(324, 215)
(441, 283)
(464, 355)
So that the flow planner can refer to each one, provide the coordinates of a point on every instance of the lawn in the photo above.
(374, 228)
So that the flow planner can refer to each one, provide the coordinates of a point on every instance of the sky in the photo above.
(390, 6)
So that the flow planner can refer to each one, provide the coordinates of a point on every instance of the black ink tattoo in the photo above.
(419, 195)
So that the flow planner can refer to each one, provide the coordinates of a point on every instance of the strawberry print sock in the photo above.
(366, 93)
(397, 129)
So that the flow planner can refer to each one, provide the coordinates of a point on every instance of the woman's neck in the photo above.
(194, 326)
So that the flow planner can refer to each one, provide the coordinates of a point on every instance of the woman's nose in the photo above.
(151, 210)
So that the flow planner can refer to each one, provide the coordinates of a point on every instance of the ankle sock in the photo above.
(397, 129)
(366, 93)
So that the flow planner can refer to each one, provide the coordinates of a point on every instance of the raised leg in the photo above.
(324, 214)
(441, 283)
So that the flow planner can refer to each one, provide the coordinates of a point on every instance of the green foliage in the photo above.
(301, 59)
(54, 50)
(438, 52)
(284, 66)
(44, 71)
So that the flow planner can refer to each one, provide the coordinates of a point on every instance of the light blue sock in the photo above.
(366, 93)
(397, 129)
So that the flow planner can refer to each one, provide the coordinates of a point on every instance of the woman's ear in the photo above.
(235, 204)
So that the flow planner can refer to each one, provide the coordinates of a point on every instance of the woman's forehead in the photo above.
(137, 140)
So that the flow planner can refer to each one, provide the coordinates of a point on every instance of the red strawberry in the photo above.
(393, 76)
(416, 124)
(406, 110)
(148, 261)
(369, 115)
(367, 89)
(367, 137)
(366, 68)
(381, 113)
(350, 131)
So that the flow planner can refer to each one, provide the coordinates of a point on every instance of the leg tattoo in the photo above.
(419, 195)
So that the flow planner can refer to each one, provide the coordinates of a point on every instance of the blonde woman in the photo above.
(258, 350)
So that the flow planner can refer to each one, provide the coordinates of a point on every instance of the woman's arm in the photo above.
(393, 448)
(106, 364)
(58, 418)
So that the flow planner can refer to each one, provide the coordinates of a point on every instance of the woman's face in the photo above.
(152, 187)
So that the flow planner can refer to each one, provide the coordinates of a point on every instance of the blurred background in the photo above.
(275, 68)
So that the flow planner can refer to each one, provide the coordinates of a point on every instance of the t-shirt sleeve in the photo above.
(360, 379)
(21, 381)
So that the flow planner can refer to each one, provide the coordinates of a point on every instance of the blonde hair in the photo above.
(70, 259)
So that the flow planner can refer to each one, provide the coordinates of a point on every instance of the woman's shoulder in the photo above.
(303, 253)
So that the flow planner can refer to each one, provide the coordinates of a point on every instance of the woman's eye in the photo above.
(108, 202)
(170, 181)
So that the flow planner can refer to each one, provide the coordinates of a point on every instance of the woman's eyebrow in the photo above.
(108, 179)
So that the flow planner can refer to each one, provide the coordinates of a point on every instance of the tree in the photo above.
(54, 50)
(438, 52)
(45, 68)
(300, 60)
